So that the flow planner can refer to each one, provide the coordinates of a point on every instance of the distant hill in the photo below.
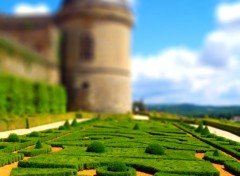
(197, 111)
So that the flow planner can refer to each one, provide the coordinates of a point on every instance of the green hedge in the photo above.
(233, 167)
(227, 127)
(43, 172)
(21, 97)
(35, 151)
(103, 171)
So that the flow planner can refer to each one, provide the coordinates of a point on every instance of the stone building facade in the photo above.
(93, 37)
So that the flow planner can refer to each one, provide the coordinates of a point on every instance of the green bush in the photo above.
(67, 125)
(199, 128)
(43, 171)
(38, 145)
(96, 147)
(34, 134)
(103, 171)
(216, 153)
(205, 131)
(136, 127)
(13, 138)
(74, 123)
(233, 167)
(61, 128)
(117, 166)
(155, 149)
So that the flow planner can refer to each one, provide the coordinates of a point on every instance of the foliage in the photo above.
(199, 128)
(13, 138)
(205, 131)
(44, 171)
(103, 171)
(233, 167)
(216, 153)
(117, 166)
(38, 145)
(67, 125)
(74, 123)
(155, 149)
(21, 97)
(136, 127)
(34, 134)
(96, 147)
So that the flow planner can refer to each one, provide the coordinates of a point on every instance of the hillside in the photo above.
(198, 111)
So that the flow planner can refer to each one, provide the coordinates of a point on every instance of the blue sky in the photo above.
(184, 51)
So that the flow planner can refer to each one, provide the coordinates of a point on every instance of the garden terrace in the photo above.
(122, 143)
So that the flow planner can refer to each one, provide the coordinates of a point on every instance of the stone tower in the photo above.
(96, 54)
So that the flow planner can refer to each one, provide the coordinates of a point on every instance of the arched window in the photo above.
(86, 47)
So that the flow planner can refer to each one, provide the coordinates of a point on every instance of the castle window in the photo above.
(86, 47)
(85, 86)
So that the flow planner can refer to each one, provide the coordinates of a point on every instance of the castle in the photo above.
(85, 46)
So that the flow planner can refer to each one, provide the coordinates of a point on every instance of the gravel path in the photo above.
(140, 117)
(222, 133)
(5, 134)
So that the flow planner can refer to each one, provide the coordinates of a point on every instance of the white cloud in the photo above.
(207, 76)
(28, 9)
(228, 12)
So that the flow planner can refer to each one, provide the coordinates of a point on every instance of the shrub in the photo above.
(38, 145)
(34, 134)
(49, 131)
(233, 167)
(67, 125)
(102, 171)
(155, 149)
(13, 138)
(117, 166)
(205, 131)
(96, 147)
(216, 153)
(61, 128)
(74, 123)
(136, 127)
(199, 128)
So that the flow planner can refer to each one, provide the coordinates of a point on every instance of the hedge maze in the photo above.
(115, 147)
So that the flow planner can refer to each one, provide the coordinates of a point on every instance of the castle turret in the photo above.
(96, 54)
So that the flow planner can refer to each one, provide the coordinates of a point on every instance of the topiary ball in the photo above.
(38, 145)
(96, 147)
(13, 138)
(34, 134)
(155, 149)
(117, 166)
(205, 131)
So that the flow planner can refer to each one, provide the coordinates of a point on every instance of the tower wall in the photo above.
(101, 83)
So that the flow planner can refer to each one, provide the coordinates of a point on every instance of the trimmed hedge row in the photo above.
(34, 151)
(221, 159)
(221, 143)
(43, 172)
(233, 167)
(103, 171)
(227, 127)
(6, 158)
(21, 97)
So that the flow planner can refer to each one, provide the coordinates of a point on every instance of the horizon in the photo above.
(183, 52)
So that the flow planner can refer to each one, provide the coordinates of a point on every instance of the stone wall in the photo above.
(37, 69)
